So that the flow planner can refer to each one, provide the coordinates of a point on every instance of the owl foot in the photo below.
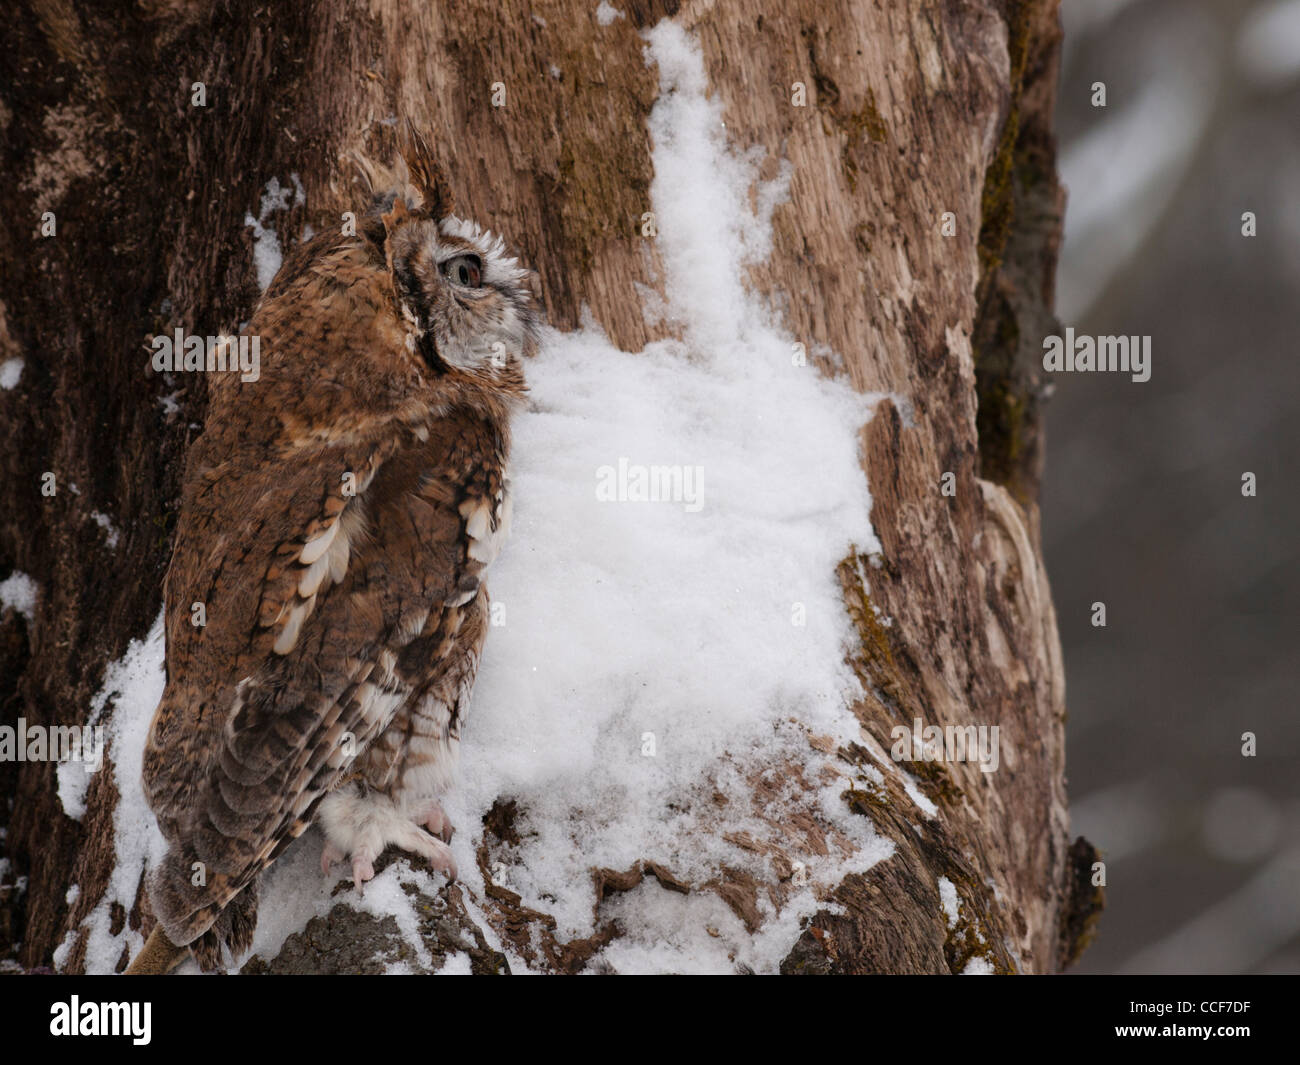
(329, 855)
(363, 865)
(359, 827)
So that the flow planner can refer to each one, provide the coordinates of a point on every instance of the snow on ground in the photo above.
(643, 652)
(456, 965)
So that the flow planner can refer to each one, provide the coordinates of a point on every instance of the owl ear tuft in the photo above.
(396, 217)
(426, 175)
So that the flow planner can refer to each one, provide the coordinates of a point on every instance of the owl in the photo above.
(338, 517)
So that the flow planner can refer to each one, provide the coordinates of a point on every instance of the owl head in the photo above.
(464, 296)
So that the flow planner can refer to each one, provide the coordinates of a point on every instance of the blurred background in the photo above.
(1142, 503)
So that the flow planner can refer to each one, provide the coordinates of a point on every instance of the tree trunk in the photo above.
(911, 109)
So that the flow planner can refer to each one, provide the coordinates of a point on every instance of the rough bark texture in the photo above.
(915, 108)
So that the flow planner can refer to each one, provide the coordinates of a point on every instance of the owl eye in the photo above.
(466, 270)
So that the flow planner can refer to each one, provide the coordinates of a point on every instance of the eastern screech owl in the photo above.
(337, 518)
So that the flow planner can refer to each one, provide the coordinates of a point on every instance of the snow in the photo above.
(133, 685)
(976, 965)
(948, 899)
(606, 13)
(73, 783)
(267, 256)
(18, 592)
(647, 655)
(384, 896)
(494, 942)
(916, 795)
(662, 932)
(10, 371)
(294, 891)
(456, 965)
(111, 533)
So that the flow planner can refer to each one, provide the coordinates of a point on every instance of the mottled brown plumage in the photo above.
(337, 518)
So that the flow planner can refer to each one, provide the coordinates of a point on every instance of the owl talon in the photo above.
(435, 820)
(439, 856)
(329, 855)
(362, 870)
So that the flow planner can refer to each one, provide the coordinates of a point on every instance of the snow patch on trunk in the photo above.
(650, 655)
(18, 593)
(133, 685)
(267, 255)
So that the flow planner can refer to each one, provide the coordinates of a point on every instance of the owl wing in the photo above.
(464, 499)
(333, 608)
(269, 703)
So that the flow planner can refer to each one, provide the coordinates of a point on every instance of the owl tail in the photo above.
(157, 957)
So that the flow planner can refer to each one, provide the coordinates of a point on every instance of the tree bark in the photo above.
(914, 108)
